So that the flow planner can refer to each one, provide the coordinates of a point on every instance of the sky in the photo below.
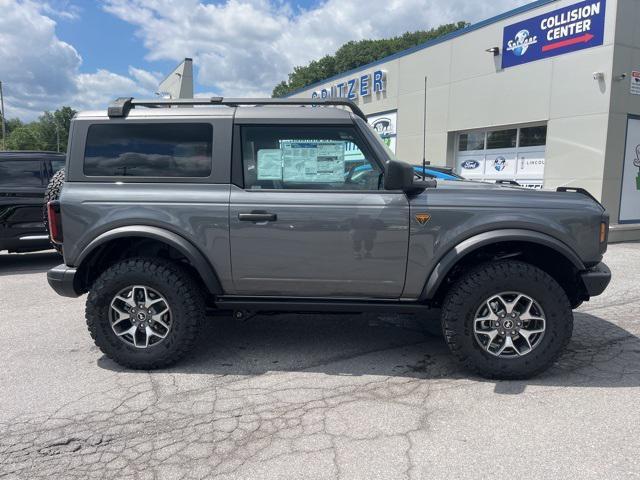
(84, 53)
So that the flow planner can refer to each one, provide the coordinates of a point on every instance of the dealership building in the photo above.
(547, 95)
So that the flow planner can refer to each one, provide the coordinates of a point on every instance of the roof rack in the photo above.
(121, 106)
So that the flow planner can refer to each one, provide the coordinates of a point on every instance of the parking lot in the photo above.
(312, 396)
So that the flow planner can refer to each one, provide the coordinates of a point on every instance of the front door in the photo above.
(311, 218)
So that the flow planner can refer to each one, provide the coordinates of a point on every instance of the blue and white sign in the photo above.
(565, 30)
(363, 86)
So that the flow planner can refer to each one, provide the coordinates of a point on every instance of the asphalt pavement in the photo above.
(312, 397)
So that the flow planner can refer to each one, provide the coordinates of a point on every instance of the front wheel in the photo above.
(145, 313)
(507, 320)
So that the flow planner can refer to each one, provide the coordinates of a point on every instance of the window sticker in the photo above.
(321, 162)
(270, 164)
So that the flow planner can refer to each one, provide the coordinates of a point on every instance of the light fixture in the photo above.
(494, 50)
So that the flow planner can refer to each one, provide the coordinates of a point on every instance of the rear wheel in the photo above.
(507, 320)
(145, 313)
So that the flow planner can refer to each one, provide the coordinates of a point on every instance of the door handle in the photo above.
(257, 216)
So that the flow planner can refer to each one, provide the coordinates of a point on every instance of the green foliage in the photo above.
(355, 54)
(47, 133)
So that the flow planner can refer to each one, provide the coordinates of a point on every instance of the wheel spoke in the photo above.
(508, 343)
(492, 334)
(122, 314)
(129, 301)
(527, 333)
(151, 332)
(155, 302)
(160, 321)
(527, 317)
(131, 331)
(491, 315)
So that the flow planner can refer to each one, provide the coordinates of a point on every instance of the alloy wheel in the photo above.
(140, 316)
(509, 325)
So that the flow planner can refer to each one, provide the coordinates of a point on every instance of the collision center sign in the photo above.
(561, 31)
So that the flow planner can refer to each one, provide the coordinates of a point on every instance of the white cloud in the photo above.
(245, 47)
(239, 47)
(41, 72)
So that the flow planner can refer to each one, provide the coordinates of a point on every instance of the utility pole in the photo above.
(55, 121)
(4, 130)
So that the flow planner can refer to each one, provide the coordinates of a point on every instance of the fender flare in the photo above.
(186, 248)
(449, 260)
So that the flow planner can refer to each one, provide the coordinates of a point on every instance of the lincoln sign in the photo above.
(561, 31)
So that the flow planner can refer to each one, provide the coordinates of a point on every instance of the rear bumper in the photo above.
(62, 280)
(596, 279)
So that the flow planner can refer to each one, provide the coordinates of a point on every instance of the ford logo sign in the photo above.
(470, 164)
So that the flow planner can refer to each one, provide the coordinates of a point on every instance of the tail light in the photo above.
(55, 221)
(603, 236)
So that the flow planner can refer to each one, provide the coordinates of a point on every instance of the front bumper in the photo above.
(596, 279)
(62, 280)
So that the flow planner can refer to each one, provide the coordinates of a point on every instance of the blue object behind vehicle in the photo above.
(437, 173)
(434, 172)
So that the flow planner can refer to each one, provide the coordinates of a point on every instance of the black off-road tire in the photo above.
(465, 297)
(172, 281)
(53, 193)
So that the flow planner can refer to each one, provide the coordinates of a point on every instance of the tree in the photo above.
(49, 132)
(355, 54)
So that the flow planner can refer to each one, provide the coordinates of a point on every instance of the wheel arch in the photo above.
(137, 235)
(514, 241)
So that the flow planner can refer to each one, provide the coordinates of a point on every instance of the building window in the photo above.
(471, 141)
(502, 138)
(533, 136)
(170, 150)
(516, 153)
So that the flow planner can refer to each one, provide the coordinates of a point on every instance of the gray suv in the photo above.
(251, 205)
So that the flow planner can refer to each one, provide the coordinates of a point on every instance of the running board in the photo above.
(279, 304)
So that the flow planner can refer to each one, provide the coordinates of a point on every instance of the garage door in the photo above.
(514, 153)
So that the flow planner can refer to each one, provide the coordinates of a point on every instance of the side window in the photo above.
(20, 173)
(57, 165)
(149, 150)
(307, 158)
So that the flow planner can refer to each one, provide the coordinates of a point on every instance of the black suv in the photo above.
(23, 179)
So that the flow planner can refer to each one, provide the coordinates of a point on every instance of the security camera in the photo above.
(598, 75)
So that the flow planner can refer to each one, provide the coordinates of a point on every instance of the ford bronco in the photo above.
(250, 205)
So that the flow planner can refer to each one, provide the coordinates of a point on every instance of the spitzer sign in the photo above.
(565, 30)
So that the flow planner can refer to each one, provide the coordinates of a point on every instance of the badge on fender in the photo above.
(422, 218)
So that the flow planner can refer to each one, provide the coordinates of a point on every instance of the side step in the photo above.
(280, 304)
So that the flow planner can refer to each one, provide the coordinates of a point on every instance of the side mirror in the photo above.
(400, 176)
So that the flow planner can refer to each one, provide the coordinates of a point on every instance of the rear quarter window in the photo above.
(169, 150)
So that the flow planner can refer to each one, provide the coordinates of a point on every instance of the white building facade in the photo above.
(547, 95)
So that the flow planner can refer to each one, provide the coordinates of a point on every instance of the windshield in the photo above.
(379, 139)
